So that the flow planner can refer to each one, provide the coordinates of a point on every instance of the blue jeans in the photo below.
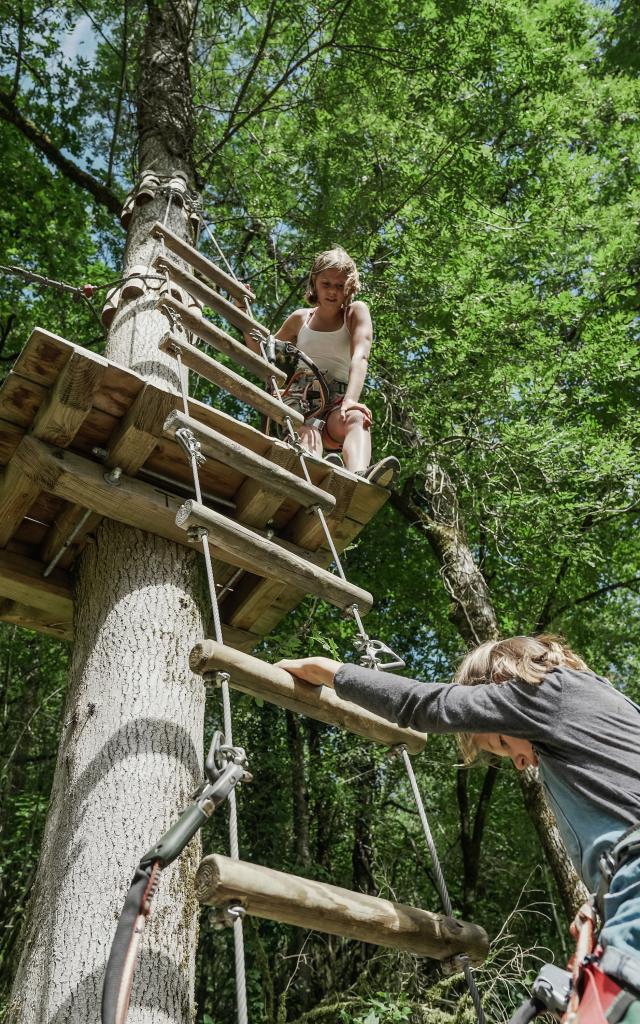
(620, 935)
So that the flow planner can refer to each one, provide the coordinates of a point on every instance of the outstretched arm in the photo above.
(361, 329)
(515, 708)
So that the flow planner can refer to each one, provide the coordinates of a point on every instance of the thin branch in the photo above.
(121, 90)
(40, 140)
(284, 78)
(631, 584)
(271, 17)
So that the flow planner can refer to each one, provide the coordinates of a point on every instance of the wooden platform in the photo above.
(61, 396)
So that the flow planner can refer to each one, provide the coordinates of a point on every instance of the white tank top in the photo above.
(330, 350)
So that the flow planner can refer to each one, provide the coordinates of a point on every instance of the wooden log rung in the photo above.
(203, 293)
(267, 558)
(268, 682)
(200, 262)
(306, 903)
(220, 340)
(225, 378)
(268, 474)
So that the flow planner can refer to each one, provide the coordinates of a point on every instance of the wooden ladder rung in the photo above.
(264, 681)
(268, 474)
(208, 296)
(232, 382)
(306, 903)
(200, 262)
(221, 341)
(276, 561)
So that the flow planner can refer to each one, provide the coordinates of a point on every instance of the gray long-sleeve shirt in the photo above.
(585, 732)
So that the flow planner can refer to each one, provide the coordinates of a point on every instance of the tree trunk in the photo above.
(131, 746)
(299, 791)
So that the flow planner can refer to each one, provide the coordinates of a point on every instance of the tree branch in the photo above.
(40, 140)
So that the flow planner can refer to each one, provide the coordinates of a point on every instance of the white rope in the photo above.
(234, 849)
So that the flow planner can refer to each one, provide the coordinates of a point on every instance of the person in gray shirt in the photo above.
(534, 700)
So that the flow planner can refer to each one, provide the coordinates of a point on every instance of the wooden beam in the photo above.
(59, 418)
(138, 434)
(60, 532)
(229, 380)
(208, 296)
(28, 617)
(271, 476)
(306, 903)
(199, 262)
(21, 580)
(69, 401)
(264, 681)
(248, 548)
(17, 494)
(130, 501)
(221, 341)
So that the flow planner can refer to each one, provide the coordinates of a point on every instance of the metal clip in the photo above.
(175, 321)
(196, 533)
(371, 652)
(190, 445)
(227, 915)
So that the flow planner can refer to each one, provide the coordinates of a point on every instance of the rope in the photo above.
(234, 849)
(441, 885)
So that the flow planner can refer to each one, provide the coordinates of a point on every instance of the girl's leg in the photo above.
(311, 439)
(354, 437)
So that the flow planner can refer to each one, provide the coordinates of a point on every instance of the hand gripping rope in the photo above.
(225, 767)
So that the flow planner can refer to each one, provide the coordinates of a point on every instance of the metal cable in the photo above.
(441, 885)
(234, 849)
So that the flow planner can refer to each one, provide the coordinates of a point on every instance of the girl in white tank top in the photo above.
(336, 335)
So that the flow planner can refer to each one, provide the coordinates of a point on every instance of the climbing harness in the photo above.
(225, 767)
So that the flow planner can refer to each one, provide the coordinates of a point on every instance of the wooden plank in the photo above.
(264, 681)
(17, 494)
(307, 903)
(208, 296)
(232, 382)
(199, 262)
(21, 580)
(20, 399)
(10, 436)
(246, 547)
(138, 433)
(256, 504)
(42, 621)
(69, 400)
(43, 356)
(221, 341)
(270, 475)
(137, 504)
(60, 416)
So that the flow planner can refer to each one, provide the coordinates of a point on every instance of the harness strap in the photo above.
(619, 1006)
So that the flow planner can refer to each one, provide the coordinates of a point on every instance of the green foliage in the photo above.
(480, 161)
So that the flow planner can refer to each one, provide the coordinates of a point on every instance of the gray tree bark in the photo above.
(131, 746)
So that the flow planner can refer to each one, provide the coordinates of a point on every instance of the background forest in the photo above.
(480, 161)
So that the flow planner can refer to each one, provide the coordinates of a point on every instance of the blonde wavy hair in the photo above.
(334, 259)
(525, 658)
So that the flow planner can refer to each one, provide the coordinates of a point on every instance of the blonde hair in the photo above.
(334, 259)
(525, 658)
